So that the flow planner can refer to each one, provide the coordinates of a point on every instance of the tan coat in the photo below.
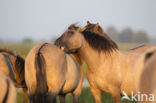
(7, 89)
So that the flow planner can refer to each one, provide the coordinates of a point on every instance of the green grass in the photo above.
(86, 97)
(20, 97)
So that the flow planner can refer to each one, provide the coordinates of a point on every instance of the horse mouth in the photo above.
(70, 51)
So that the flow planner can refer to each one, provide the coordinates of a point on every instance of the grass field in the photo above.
(86, 97)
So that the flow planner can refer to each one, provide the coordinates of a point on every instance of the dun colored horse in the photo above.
(7, 89)
(13, 66)
(146, 74)
(50, 72)
(109, 69)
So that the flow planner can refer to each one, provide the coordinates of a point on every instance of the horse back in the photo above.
(140, 49)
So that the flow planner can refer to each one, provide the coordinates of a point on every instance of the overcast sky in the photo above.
(44, 19)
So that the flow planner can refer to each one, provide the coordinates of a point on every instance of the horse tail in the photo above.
(7, 92)
(40, 66)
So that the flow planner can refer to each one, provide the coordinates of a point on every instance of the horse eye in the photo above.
(71, 32)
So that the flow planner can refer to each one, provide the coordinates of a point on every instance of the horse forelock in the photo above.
(58, 42)
(98, 42)
(73, 27)
(70, 30)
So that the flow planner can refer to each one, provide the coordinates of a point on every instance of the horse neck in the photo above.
(15, 71)
(93, 58)
(77, 57)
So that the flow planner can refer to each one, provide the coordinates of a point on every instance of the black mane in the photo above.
(98, 42)
(19, 65)
(19, 62)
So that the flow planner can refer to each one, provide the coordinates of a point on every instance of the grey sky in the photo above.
(44, 19)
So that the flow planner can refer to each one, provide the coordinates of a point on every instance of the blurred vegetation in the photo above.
(127, 35)
(86, 97)
(27, 41)
(20, 49)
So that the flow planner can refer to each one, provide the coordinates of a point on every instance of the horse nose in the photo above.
(62, 48)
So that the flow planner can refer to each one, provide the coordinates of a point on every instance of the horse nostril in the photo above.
(62, 48)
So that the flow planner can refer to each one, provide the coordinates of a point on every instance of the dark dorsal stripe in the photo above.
(7, 92)
(7, 52)
(10, 67)
(138, 47)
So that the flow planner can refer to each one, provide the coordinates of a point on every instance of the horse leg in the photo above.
(78, 90)
(76, 98)
(25, 90)
(115, 94)
(96, 94)
(51, 98)
(62, 98)
(31, 98)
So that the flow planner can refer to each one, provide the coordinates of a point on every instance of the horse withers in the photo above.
(50, 72)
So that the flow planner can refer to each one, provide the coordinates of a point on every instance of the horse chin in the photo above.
(72, 51)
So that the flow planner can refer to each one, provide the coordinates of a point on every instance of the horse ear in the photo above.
(148, 55)
(81, 29)
(96, 26)
(88, 22)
